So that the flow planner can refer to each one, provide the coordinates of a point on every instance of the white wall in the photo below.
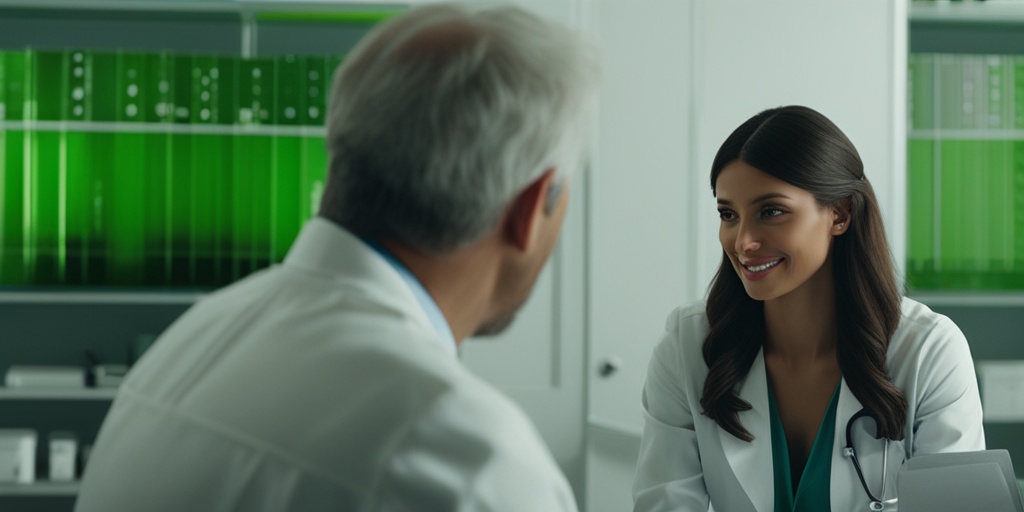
(846, 59)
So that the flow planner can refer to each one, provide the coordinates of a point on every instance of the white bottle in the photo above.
(17, 456)
(63, 452)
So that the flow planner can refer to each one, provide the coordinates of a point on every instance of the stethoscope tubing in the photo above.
(877, 503)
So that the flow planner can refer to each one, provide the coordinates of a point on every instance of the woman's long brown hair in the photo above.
(803, 148)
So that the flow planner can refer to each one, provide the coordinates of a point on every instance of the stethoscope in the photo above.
(877, 503)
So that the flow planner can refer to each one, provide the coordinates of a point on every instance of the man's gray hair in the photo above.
(442, 115)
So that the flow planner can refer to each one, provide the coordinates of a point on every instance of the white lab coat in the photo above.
(686, 460)
(318, 384)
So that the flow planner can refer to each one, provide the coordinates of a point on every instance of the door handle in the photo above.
(609, 366)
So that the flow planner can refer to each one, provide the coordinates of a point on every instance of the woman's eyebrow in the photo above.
(759, 199)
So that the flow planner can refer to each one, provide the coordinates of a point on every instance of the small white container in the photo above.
(63, 452)
(109, 375)
(49, 377)
(17, 456)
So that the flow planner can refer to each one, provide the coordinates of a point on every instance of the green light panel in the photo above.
(965, 172)
(155, 170)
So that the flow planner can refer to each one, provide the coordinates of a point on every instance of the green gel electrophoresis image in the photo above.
(155, 170)
(966, 172)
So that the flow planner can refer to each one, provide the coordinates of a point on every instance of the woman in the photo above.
(804, 337)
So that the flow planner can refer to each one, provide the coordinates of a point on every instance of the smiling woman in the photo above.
(773, 229)
(803, 330)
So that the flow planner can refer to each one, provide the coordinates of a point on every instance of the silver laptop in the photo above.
(976, 481)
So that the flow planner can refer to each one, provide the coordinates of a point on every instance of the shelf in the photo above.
(40, 488)
(1003, 12)
(164, 128)
(105, 394)
(215, 6)
(99, 297)
(982, 134)
(970, 299)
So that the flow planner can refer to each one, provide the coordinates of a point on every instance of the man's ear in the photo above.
(527, 210)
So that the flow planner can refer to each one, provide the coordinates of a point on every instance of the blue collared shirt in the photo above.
(444, 331)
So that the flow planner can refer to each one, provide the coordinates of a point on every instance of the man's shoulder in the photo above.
(305, 351)
(473, 432)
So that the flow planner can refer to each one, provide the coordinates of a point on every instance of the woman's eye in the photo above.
(726, 215)
(771, 211)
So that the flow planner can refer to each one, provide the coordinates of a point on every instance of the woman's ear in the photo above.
(841, 217)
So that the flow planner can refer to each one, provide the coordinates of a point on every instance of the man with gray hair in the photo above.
(330, 381)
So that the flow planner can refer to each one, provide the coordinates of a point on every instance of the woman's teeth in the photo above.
(762, 268)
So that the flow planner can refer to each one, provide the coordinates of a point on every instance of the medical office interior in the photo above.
(152, 150)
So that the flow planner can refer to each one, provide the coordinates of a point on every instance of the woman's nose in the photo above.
(747, 240)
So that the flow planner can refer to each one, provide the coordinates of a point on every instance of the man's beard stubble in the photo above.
(496, 325)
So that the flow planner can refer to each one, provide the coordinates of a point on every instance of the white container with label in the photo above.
(63, 451)
(17, 456)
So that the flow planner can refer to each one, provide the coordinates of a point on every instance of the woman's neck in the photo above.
(801, 326)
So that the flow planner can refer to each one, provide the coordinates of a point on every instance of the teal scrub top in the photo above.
(811, 492)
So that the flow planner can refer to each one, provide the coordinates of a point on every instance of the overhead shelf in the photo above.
(970, 299)
(99, 297)
(990, 12)
(214, 6)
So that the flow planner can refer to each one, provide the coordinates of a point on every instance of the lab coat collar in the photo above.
(752, 462)
(430, 307)
(324, 247)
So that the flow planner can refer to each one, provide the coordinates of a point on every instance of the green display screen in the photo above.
(155, 170)
(965, 172)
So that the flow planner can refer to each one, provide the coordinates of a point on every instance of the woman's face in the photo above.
(777, 235)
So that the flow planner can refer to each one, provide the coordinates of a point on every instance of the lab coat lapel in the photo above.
(845, 486)
(752, 462)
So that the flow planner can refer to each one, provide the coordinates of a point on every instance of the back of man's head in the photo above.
(442, 115)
